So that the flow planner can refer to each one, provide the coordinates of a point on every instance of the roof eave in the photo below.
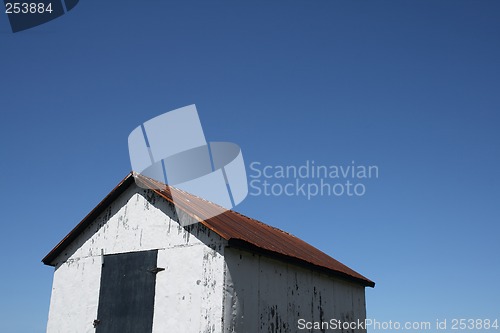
(244, 245)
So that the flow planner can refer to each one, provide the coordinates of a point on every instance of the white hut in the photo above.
(129, 266)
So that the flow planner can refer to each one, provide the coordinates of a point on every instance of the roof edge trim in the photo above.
(244, 245)
(94, 213)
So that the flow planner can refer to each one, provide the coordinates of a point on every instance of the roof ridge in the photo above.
(265, 224)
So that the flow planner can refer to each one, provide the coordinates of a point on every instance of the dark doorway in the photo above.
(126, 297)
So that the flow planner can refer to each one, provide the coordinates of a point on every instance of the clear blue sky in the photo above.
(411, 86)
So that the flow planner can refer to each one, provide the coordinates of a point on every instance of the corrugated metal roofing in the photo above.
(239, 230)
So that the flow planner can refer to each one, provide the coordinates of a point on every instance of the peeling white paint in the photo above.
(267, 295)
(205, 287)
(138, 221)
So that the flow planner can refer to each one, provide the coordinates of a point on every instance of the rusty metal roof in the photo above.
(239, 230)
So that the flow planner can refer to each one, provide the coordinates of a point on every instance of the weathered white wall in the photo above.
(205, 287)
(266, 295)
(75, 296)
(189, 291)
